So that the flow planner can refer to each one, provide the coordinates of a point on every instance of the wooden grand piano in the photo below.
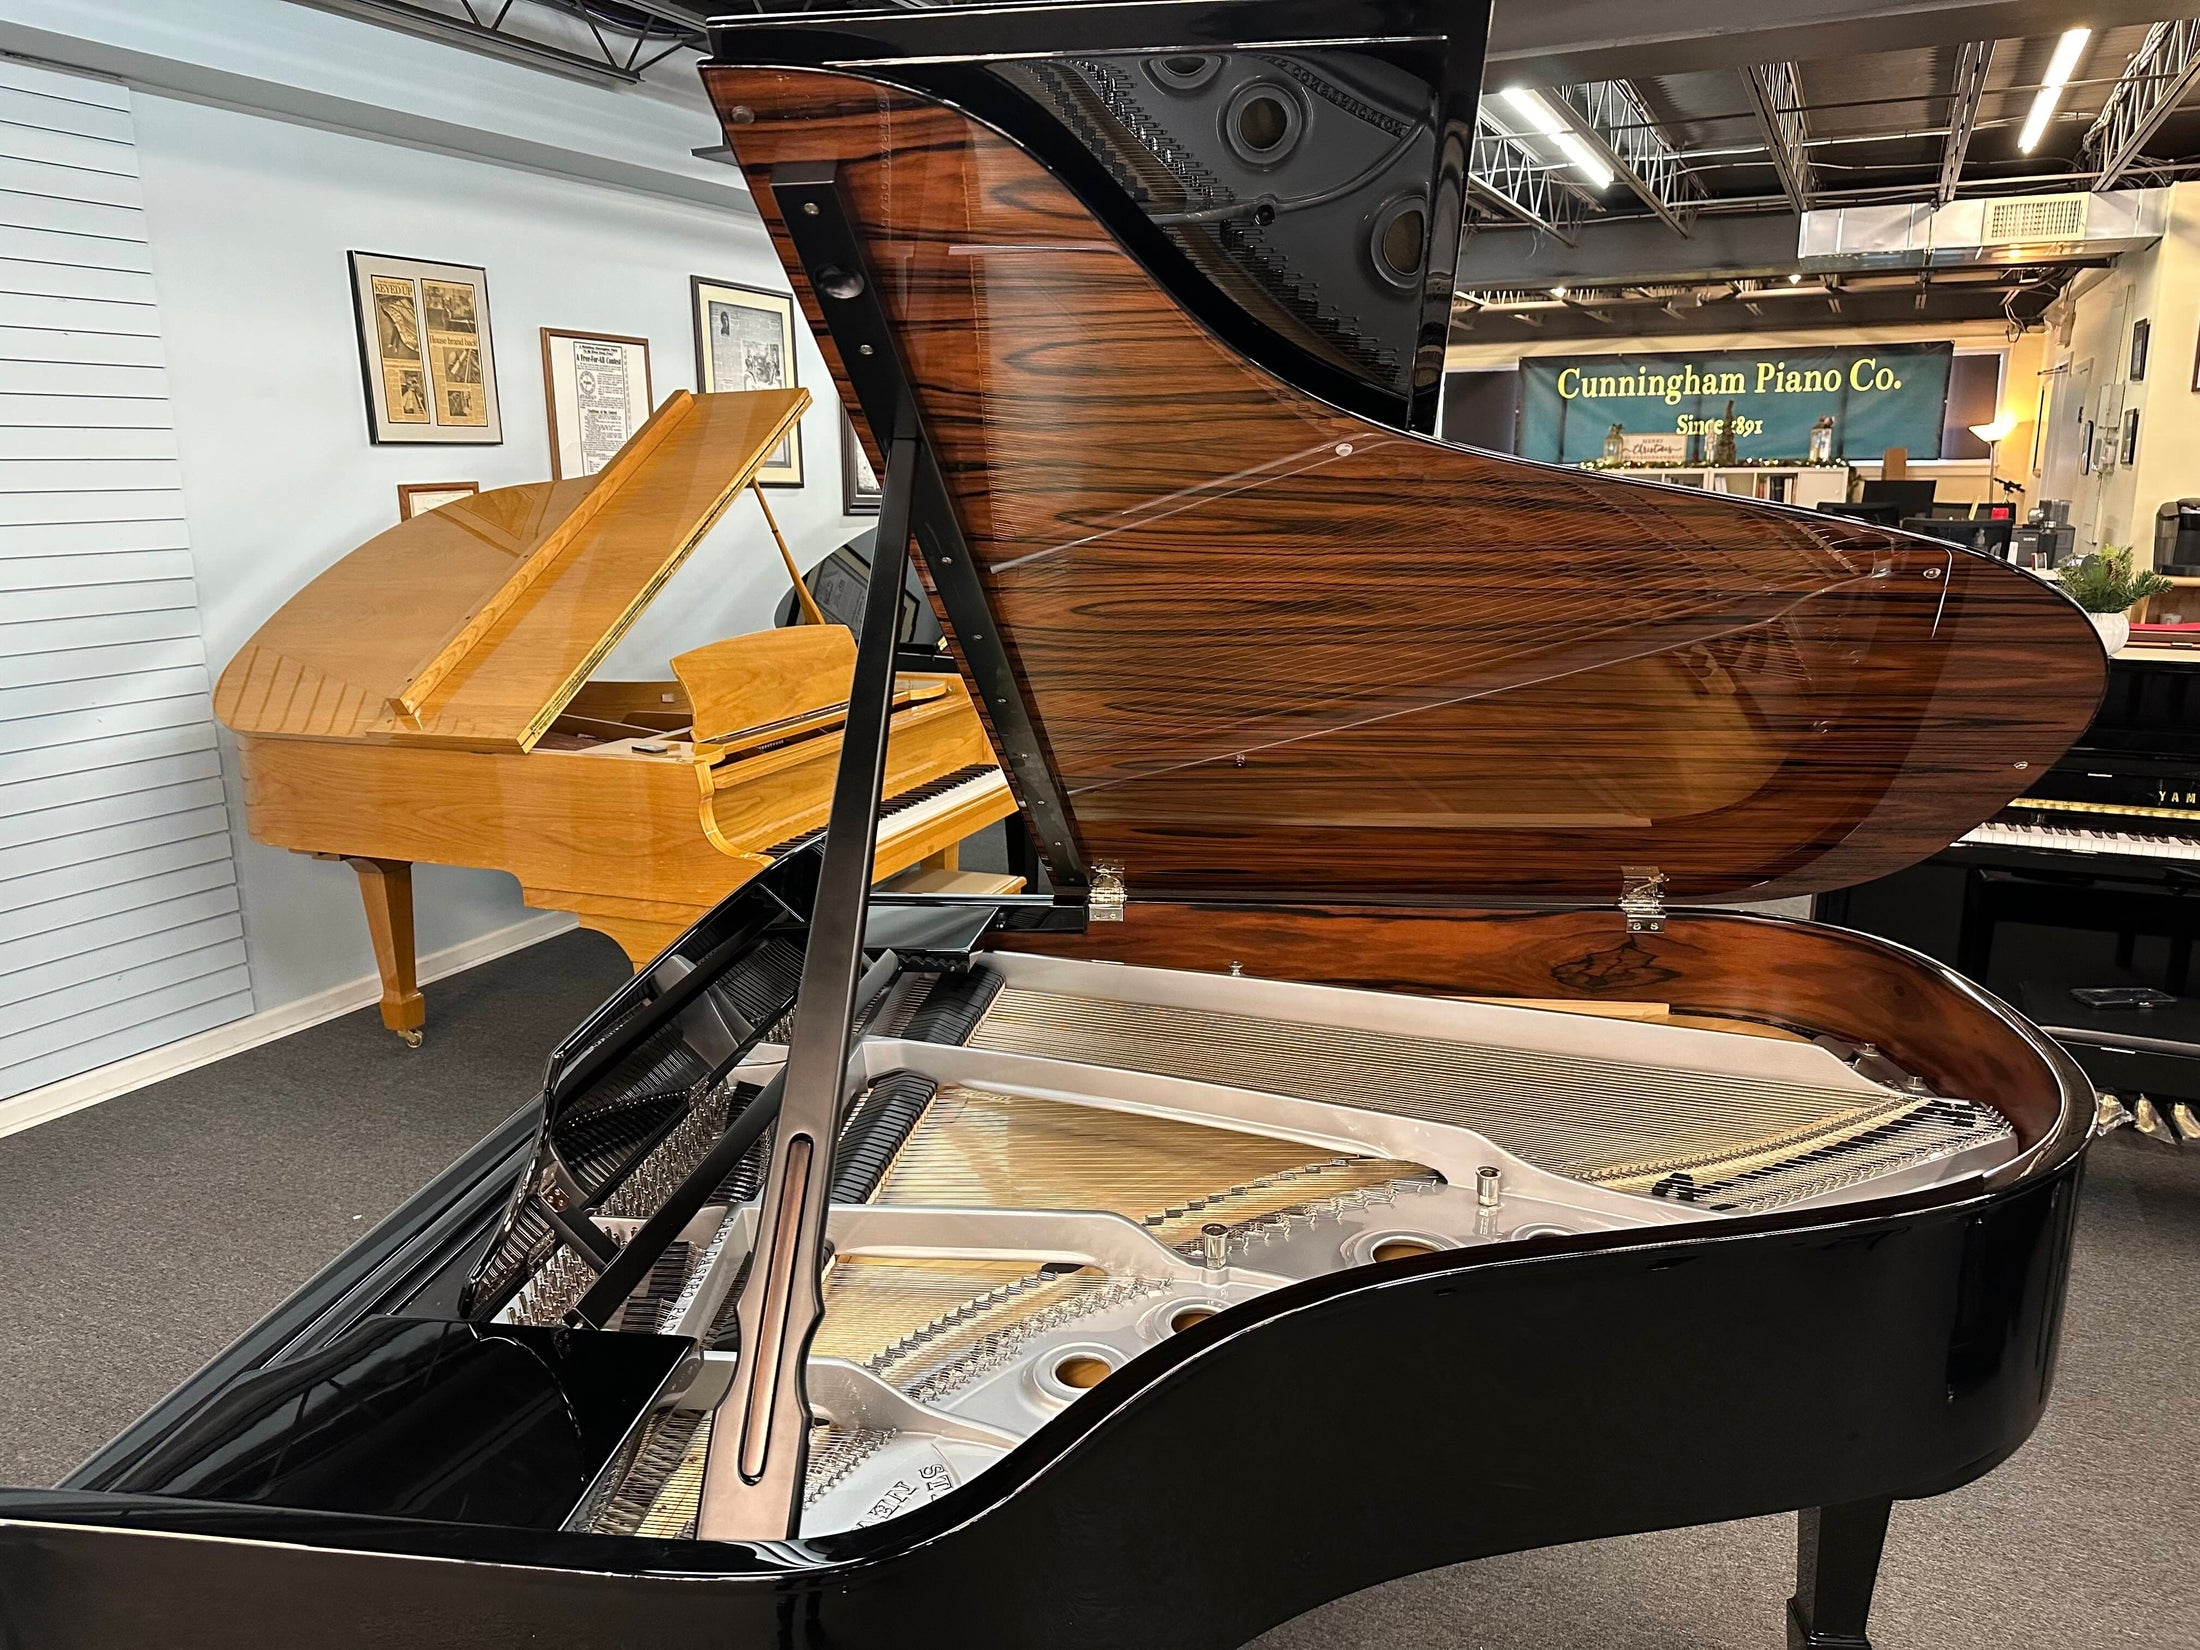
(1376, 1151)
(428, 698)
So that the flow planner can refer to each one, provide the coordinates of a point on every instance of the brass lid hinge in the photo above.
(1104, 895)
(1642, 898)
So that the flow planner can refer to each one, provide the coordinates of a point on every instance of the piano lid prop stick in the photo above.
(759, 1444)
(810, 611)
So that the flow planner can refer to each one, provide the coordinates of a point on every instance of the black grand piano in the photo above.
(1366, 1156)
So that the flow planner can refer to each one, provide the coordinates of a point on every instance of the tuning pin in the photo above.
(2149, 1122)
(2110, 1113)
(2188, 1123)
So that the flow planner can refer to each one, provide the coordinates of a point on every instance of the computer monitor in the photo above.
(1880, 515)
(1915, 497)
(1984, 534)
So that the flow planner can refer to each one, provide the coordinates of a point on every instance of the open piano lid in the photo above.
(475, 624)
(1171, 347)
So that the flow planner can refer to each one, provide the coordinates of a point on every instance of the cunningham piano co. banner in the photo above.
(1879, 396)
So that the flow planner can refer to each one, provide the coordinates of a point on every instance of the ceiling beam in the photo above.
(1776, 92)
(1611, 117)
(1505, 173)
(1539, 43)
(2158, 78)
(1969, 87)
(1638, 249)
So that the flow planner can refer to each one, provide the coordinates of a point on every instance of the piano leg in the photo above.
(1836, 1564)
(386, 889)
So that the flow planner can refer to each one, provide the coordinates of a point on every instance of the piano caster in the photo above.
(1836, 1566)
(413, 1038)
(2149, 1121)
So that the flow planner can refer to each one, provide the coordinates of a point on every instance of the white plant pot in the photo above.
(2115, 629)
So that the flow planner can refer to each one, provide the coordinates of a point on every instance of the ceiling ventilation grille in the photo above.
(2035, 218)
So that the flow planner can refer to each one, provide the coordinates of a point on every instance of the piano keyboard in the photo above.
(2081, 840)
(920, 808)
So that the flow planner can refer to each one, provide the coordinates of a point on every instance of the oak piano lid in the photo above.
(476, 623)
(1274, 642)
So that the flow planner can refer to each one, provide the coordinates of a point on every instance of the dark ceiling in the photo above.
(1870, 106)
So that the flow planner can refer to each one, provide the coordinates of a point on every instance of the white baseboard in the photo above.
(89, 1088)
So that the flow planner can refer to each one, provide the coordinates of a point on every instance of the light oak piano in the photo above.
(428, 698)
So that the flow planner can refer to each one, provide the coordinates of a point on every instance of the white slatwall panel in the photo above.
(118, 903)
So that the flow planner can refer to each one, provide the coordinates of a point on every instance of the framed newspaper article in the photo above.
(425, 351)
(417, 498)
(860, 491)
(744, 340)
(595, 386)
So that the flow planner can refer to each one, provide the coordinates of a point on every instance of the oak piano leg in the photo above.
(1836, 1563)
(386, 889)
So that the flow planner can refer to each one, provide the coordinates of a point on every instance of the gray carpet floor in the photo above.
(139, 1237)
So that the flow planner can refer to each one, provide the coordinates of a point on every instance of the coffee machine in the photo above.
(2177, 538)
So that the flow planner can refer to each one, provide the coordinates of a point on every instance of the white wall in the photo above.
(2160, 285)
(118, 905)
(305, 64)
(250, 221)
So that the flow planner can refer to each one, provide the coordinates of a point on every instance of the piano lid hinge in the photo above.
(1642, 898)
(1104, 894)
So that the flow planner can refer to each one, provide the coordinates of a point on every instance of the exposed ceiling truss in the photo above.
(1495, 314)
(1972, 63)
(1612, 118)
(2158, 78)
(1505, 173)
(1776, 92)
(616, 42)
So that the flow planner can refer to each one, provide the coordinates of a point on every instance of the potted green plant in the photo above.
(2105, 585)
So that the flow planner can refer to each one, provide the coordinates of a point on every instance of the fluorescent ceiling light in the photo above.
(1543, 121)
(2060, 68)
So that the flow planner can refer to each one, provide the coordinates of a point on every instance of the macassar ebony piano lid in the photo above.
(432, 697)
(1365, 1158)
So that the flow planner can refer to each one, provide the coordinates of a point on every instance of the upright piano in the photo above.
(2080, 901)
(1367, 1156)
(431, 697)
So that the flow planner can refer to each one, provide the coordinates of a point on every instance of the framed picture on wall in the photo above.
(860, 488)
(744, 340)
(2142, 334)
(2131, 436)
(425, 351)
(595, 390)
(417, 498)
